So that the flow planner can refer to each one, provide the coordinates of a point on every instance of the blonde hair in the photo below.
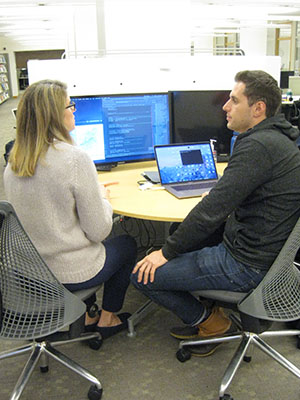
(40, 120)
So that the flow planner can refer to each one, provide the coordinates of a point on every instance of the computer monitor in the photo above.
(284, 78)
(197, 115)
(121, 128)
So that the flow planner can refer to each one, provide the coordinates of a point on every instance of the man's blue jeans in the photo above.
(208, 268)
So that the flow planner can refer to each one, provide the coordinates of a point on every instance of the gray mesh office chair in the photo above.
(36, 306)
(276, 298)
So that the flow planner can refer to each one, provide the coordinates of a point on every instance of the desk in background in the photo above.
(155, 205)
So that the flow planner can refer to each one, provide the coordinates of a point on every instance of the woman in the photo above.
(53, 186)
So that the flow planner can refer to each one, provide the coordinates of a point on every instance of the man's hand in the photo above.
(148, 265)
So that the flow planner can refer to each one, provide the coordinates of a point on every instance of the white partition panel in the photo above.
(138, 74)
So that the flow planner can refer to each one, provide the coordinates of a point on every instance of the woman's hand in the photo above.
(148, 265)
(109, 183)
(105, 191)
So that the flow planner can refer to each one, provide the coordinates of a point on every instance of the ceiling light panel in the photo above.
(47, 3)
(257, 3)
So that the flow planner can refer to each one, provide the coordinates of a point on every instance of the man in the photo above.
(259, 198)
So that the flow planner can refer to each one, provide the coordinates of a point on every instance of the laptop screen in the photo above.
(185, 162)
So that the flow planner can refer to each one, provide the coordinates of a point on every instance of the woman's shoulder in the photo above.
(72, 151)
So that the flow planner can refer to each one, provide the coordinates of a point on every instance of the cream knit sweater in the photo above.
(63, 211)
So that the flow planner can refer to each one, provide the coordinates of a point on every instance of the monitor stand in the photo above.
(105, 167)
(223, 157)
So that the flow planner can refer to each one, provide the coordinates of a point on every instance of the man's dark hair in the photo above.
(261, 86)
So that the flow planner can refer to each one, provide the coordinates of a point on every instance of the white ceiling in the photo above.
(49, 22)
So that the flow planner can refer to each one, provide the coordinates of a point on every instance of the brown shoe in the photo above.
(216, 324)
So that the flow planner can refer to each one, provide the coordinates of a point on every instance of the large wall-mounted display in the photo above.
(121, 128)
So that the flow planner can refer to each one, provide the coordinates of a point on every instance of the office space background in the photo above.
(109, 28)
(113, 46)
(145, 367)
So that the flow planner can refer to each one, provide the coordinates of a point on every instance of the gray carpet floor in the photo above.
(145, 367)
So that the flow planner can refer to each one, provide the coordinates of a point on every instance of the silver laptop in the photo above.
(186, 170)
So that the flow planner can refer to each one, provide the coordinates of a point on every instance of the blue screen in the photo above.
(118, 128)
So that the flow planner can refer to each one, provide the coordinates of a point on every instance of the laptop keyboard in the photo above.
(193, 186)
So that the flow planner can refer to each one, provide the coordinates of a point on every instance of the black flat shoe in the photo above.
(109, 331)
(92, 327)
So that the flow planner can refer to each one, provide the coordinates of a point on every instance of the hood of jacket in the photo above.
(278, 122)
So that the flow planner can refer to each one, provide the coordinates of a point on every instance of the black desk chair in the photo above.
(276, 298)
(36, 307)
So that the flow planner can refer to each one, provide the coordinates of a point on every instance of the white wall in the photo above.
(149, 74)
(254, 40)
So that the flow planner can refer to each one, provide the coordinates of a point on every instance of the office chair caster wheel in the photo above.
(95, 393)
(93, 311)
(247, 359)
(95, 344)
(183, 355)
(44, 369)
(226, 397)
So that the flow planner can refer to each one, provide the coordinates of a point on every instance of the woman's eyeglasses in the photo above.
(72, 106)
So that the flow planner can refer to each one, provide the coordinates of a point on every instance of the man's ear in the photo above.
(259, 109)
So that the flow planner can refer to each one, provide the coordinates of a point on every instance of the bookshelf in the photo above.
(4, 83)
